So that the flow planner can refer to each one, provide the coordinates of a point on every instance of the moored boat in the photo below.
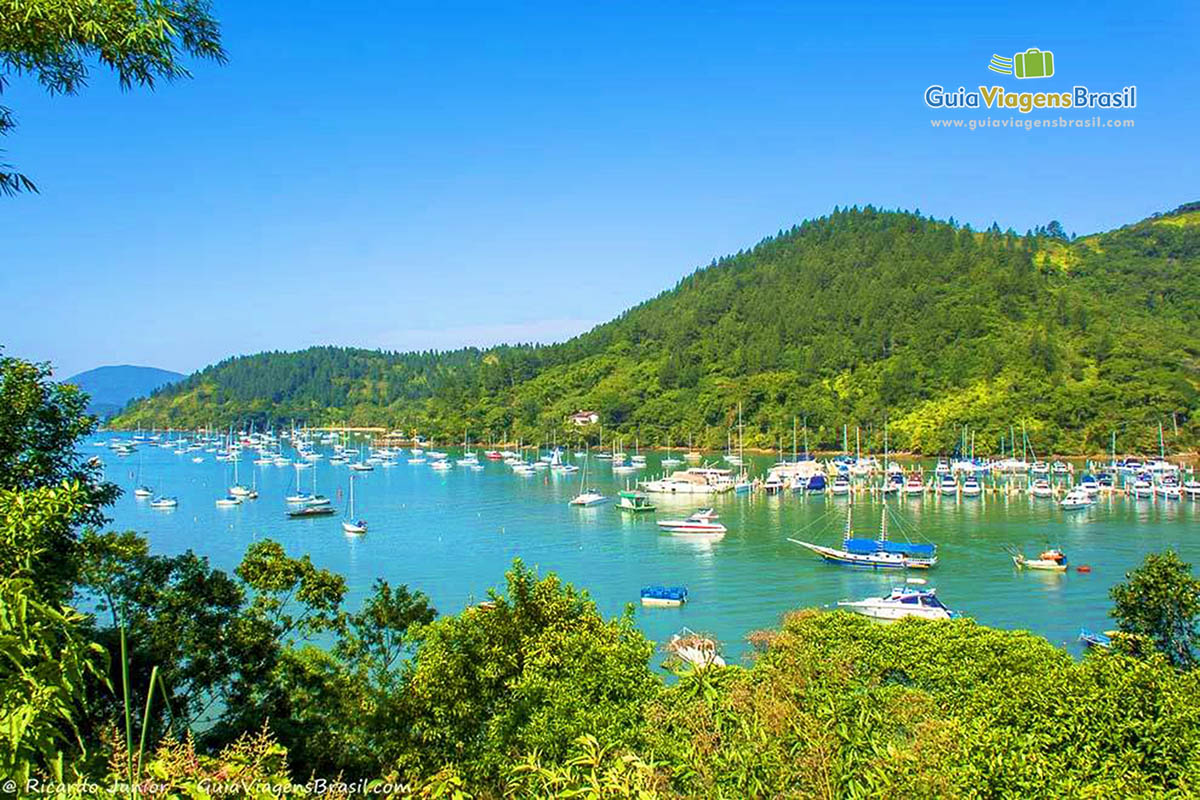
(875, 553)
(695, 525)
(1052, 560)
(632, 500)
(664, 595)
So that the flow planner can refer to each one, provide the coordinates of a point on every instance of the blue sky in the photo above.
(427, 176)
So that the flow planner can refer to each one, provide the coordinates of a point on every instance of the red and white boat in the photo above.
(701, 523)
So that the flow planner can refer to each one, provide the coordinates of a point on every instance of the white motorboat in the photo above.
(902, 602)
(1076, 498)
(1041, 488)
(164, 502)
(696, 525)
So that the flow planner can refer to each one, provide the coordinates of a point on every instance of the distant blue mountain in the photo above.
(110, 388)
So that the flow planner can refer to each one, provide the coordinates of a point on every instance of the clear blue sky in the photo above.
(427, 176)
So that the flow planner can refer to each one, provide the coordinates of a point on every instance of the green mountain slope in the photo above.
(852, 319)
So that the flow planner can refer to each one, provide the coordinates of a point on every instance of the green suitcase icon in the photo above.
(1033, 63)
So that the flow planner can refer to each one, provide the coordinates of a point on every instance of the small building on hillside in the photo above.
(582, 418)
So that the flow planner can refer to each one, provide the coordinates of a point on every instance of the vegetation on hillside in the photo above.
(855, 319)
(207, 683)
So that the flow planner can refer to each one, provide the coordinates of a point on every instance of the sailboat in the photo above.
(586, 496)
(238, 490)
(875, 553)
(350, 524)
(142, 491)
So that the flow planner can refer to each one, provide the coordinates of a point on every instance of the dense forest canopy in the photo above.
(858, 319)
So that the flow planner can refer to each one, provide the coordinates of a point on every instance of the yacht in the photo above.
(901, 603)
(1075, 499)
(694, 480)
(1041, 488)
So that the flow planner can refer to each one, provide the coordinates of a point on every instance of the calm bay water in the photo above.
(453, 535)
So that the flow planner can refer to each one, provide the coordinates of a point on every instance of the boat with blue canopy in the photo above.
(664, 595)
(878, 553)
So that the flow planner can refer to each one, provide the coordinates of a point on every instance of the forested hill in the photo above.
(852, 319)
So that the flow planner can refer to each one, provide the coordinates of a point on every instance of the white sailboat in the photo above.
(350, 524)
(586, 496)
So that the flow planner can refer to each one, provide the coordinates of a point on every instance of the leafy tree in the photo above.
(1160, 601)
(41, 423)
(533, 669)
(53, 41)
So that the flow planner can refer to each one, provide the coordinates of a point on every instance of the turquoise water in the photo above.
(453, 534)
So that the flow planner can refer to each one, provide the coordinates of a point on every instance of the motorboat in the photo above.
(1075, 499)
(1052, 560)
(312, 511)
(913, 486)
(971, 486)
(164, 502)
(840, 485)
(1041, 488)
(228, 501)
(901, 603)
(1168, 488)
(694, 480)
(143, 491)
(697, 524)
(948, 485)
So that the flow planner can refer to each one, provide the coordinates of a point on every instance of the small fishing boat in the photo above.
(901, 603)
(1076, 499)
(312, 511)
(164, 502)
(1052, 560)
(695, 525)
(632, 500)
(1093, 639)
(664, 595)
(692, 648)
